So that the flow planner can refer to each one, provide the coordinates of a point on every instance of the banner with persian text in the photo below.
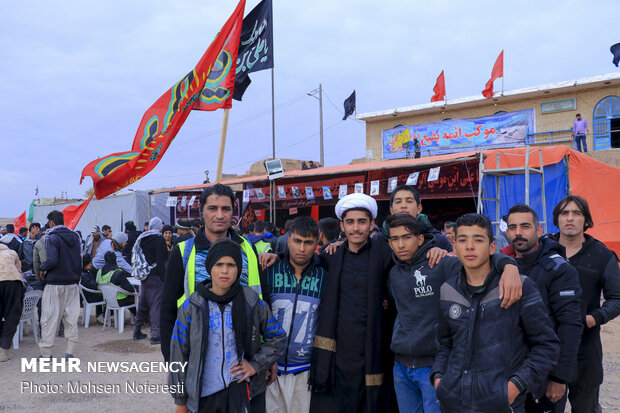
(502, 129)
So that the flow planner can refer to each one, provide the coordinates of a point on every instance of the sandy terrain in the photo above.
(96, 345)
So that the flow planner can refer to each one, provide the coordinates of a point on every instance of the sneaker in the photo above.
(69, 356)
(139, 336)
(4, 355)
(100, 318)
(155, 340)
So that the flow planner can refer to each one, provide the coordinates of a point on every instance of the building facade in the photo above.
(535, 115)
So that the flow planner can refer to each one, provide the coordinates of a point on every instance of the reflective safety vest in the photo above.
(105, 279)
(188, 255)
(262, 247)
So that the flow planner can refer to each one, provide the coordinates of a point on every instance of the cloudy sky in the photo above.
(77, 76)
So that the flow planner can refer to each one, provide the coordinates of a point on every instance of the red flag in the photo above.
(496, 73)
(211, 82)
(19, 222)
(73, 213)
(439, 89)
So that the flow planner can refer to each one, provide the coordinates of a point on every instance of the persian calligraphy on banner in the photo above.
(505, 129)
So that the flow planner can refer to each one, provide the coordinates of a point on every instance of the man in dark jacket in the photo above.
(132, 236)
(13, 241)
(150, 247)
(598, 270)
(489, 357)
(61, 271)
(558, 283)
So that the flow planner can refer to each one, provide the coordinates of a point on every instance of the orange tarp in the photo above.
(595, 181)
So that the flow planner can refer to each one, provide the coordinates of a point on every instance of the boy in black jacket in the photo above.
(489, 357)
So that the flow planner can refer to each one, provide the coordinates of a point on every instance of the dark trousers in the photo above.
(11, 304)
(149, 306)
(233, 399)
(583, 399)
(128, 301)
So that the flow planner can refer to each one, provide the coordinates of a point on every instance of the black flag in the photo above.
(349, 106)
(615, 50)
(255, 46)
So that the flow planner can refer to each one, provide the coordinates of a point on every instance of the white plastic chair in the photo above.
(88, 306)
(109, 292)
(31, 299)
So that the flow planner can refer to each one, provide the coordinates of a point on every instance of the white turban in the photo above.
(356, 201)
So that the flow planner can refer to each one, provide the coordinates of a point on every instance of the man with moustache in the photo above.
(350, 345)
(542, 260)
(598, 271)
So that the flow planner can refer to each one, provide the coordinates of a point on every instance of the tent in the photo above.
(566, 172)
(113, 210)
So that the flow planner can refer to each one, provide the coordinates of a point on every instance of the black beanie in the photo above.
(224, 248)
(167, 228)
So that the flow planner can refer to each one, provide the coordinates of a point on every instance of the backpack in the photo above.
(140, 268)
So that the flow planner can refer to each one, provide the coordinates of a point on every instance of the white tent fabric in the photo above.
(114, 211)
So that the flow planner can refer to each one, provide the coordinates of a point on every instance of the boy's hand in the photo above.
(181, 408)
(510, 286)
(555, 391)
(435, 255)
(243, 369)
(331, 248)
(272, 374)
(513, 392)
(437, 380)
(267, 259)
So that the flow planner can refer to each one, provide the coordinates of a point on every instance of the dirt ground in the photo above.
(18, 395)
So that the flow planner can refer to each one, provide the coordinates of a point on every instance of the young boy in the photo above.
(415, 288)
(296, 286)
(488, 357)
(227, 362)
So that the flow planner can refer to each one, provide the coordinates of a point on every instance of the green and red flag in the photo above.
(210, 85)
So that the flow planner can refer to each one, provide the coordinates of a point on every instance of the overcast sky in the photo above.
(77, 76)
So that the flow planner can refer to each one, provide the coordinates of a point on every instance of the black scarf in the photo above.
(236, 295)
(322, 372)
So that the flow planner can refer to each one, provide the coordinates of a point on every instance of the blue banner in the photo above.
(504, 129)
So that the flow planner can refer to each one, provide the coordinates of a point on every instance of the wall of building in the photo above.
(586, 101)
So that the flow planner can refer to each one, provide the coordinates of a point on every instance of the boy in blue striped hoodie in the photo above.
(295, 288)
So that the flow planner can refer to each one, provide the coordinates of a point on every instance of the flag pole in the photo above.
(272, 186)
(220, 159)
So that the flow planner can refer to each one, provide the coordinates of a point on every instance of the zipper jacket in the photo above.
(189, 344)
(483, 346)
(296, 306)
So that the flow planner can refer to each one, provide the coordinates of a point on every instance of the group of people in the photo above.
(343, 315)
(390, 321)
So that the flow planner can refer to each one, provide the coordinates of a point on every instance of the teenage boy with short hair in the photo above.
(295, 288)
(489, 357)
(415, 287)
(225, 365)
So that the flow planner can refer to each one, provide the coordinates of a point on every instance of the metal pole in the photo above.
(220, 159)
(527, 175)
(149, 207)
(321, 121)
(272, 198)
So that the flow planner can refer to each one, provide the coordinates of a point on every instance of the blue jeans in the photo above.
(414, 390)
(578, 141)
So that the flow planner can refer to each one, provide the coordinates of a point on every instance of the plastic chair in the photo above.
(109, 292)
(31, 299)
(88, 306)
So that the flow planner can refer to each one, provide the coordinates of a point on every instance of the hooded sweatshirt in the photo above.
(63, 261)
